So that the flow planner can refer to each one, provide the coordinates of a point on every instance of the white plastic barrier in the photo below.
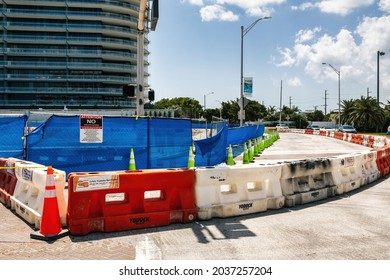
(29, 193)
(307, 181)
(347, 172)
(370, 171)
(226, 191)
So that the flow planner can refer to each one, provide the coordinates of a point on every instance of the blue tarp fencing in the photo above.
(11, 136)
(212, 151)
(157, 143)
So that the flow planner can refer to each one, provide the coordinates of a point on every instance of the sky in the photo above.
(196, 51)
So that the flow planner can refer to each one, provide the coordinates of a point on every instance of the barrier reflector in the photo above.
(227, 191)
(347, 172)
(7, 180)
(307, 181)
(29, 193)
(125, 200)
(383, 160)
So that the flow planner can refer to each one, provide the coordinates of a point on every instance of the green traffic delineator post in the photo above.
(245, 158)
(132, 165)
(191, 159)
(230, 159)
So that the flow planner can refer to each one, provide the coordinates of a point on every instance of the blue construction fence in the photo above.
(12, 136)
(156, 142)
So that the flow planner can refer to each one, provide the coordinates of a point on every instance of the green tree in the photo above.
(317, 115)
(255, 111)
(185, 107)
(367, 114)
(347, 107)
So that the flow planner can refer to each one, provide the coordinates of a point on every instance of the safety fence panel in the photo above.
(227, 191)
(156, 143)
(307, 181)
(12, 136)
(124, 200)
(28, 198)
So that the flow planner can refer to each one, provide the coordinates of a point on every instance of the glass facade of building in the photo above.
(68, 52)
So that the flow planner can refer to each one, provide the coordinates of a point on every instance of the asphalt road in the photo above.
(353, 226)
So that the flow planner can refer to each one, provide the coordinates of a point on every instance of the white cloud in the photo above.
(217, 12)
(341, 7)
(351, 52)
(294, 82)
(193, 2)
(384, 5)
(253, 7)
(222, 10)
(304, 6)
(288, 58)
(306, 35)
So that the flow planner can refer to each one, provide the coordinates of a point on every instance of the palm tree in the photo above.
(347, 107)
(367, 113)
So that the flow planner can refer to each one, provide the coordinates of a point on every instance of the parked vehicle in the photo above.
(313, 127)
(347, 129)
(282, 125)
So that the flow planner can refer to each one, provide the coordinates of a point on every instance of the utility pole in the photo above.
(326, 98)
(280, 114)
(290, 101)
(368, 92)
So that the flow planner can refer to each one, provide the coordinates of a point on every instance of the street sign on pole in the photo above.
(248, 86)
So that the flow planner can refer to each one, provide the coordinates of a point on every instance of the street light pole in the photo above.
(205, 99)
(244, 31)
(338, 74)
(220, 109)
(379, 53)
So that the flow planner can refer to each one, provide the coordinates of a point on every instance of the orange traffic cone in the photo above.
(50, 228)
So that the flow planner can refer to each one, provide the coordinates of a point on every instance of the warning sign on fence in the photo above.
(91, 129)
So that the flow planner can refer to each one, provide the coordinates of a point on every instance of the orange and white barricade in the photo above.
(307, 181)
(7, 180)
(227, 191)
(131, 199)
(29, 193)
(383, 160)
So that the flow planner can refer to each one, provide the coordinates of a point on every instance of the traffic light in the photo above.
(129, 90)
(151, 95)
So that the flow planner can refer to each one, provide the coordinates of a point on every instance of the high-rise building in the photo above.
(68, 52)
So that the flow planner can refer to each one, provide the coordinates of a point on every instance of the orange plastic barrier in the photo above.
(7, 180)
(308, 131)
(124, 200)
(359, 139)
(383, 160)
(371, 141)
(339, 135)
